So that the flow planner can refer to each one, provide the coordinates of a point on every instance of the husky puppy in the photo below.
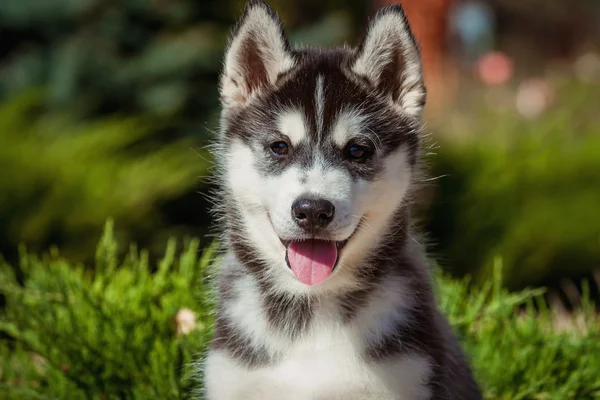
(322, 293)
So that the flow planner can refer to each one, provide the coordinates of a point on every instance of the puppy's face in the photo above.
(318, 147)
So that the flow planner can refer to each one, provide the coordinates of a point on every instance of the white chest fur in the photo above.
(325, 363)
(324, 366)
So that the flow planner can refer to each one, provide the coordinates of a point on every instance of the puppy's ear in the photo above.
(390, 59)
(258, 52)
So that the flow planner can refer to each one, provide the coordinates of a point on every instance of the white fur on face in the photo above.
(350, 124)
(293, 125)
(247, 187)
(387, 35)
(381, 200)
(259, 28)
(320, 181)
(265, 202)
(254, 194)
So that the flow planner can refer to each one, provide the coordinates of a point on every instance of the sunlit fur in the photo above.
(371, 330)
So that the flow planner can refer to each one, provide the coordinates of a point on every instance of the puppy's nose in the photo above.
(312, 213)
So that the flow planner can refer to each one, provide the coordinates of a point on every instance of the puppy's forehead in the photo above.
(317, 99)
(321, 106)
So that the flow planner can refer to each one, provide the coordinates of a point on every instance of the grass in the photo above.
(127, 330)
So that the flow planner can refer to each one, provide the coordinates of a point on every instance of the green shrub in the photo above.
(127, 56)
(61, 178)
(70, 332)
(520, 348)
(138, 56)
(110, 332)
(529, 190)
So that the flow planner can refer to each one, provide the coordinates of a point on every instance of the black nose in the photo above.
(312, 214)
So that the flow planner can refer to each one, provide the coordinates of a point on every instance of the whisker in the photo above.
(434, 178)
(200, 155)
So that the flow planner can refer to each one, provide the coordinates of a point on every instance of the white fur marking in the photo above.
(324, 363)
(389, 306)
(349, 125)
(246, 185)
(378, 204)
(292, 124)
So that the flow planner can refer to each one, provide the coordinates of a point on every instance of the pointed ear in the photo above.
(390, 59)
(257, 53)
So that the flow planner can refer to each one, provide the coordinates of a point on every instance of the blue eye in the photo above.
(357, 152)
(279, 148)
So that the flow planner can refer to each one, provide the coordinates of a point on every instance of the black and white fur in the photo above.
(372, 329)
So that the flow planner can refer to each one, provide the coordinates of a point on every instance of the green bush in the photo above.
(61, 178)
(70, 332)
(138, 56)
(124, 56)
(529, 190)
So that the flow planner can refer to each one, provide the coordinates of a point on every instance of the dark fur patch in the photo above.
(252, 57)
(290, 315)
(353, 301)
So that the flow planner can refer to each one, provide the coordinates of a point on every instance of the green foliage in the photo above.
(61, 178)
(519, 347)
(109, 332)
(528, 190)
(136, 56)
(103, 57)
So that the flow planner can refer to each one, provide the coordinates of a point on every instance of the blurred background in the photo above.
(106, 106)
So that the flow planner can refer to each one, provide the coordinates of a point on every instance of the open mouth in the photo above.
(312, 260)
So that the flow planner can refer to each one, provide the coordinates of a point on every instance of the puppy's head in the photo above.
(318, 147)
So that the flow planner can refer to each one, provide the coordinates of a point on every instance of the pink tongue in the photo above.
(312, 260)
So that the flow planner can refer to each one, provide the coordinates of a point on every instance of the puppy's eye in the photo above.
(279, 149)
(357, 153)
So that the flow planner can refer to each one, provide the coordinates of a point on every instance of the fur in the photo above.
(371, 330)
